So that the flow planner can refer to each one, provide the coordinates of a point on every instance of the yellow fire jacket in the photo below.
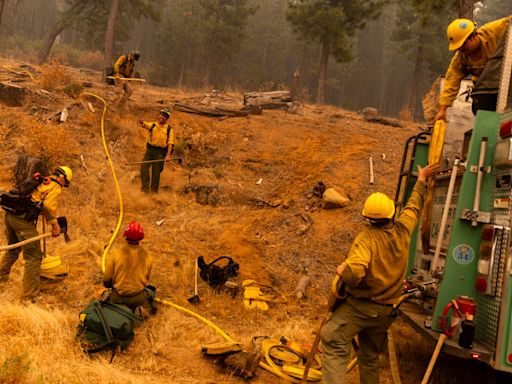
(157, 134)
(124, 66)
(377, 260)
(461, 65)
(129, 268)
(48, 194)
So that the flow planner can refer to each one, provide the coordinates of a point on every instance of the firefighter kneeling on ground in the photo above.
(373, 273)
(127, 272)
(20, 225)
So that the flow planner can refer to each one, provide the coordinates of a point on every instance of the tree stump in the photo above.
(12, 95)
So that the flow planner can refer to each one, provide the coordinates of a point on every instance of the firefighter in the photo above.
(474, 48)
(373, 273)
(125, 64)
(159, 147)
(127, 271)
(20, 224)
(124, 68)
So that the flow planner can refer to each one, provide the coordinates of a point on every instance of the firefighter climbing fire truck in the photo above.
(460, 263)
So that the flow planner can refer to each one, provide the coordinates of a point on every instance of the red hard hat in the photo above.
(133, 232)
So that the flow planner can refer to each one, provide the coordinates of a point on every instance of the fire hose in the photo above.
(272, 369)
(119, 195)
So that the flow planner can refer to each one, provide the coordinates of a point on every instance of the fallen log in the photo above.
(383, 121)
(269, 100)
(249, 97)
(212, 112)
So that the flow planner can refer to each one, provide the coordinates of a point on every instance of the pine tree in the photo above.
(222, 29)
(90, 18)
(332, 23)
(420, 30)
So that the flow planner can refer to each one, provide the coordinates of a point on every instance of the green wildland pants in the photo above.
(139, 300)
(18, 229)
(355, 317)
(152, 153)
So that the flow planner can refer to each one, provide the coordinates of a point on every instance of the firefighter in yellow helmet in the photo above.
(473, 47)
(159, 146)
(373, 274)
(124, 68)
(125, 64)
(21, 215)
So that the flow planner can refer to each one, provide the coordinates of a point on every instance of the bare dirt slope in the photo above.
(261, 171)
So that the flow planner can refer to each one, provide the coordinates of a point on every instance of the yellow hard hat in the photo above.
(458, 31)
(50, 262)
(378, 206)
(65, 171)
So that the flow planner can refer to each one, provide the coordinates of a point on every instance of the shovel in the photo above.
(63, 225)
(195, 299)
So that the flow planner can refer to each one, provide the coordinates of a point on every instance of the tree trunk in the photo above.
(416, 78)
(1, 10)
(49, 40)
(466, 9)
(109, 35)
(65, 20)
(324, 60)
(181, 76)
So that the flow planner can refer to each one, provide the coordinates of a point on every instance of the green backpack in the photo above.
(106, 326)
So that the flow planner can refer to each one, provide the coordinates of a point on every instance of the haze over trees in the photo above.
(385, 53)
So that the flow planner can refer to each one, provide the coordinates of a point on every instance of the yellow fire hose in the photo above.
(197, 316)
(22, 72)
(119, 195)
(435, 152)
(271, 366)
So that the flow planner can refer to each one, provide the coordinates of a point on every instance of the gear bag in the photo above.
(17, 201)
(214, 275)
(106, 326)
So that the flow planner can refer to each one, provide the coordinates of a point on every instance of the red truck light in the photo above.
(481, 284)
(488, 232)
(475, 355)
(506, 129)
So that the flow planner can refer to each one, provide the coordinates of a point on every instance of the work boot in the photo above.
(152, 307)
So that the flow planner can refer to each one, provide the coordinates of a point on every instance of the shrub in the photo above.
(53, 76)
(73, 90)
(14, 369)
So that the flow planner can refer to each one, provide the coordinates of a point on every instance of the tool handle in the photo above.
(145, 162)
(24, 242)
(126, 78)
(433, 359)
(195, 280)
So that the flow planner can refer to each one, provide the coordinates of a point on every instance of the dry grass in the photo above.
(38, 346)
(202, 142)
(54, 77)
(37, 342)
